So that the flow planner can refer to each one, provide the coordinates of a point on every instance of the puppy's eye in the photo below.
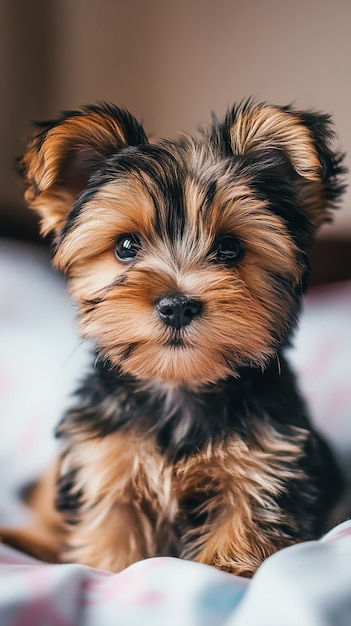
(127, 247)
(228, 249)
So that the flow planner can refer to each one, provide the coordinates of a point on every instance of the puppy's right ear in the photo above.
(64, 153)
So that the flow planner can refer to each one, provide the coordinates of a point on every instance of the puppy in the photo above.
(188, 262)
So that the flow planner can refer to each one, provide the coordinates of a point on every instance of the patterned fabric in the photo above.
(41, 360)
(305, 585)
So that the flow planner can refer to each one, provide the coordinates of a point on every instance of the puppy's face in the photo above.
(182, 271)
(186, 258)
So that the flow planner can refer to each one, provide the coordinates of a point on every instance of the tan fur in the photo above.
(128, 494)
(126, 315)
(119, 207)
(260, 128)
(256, 128)
(134, 501)
(265, 127)
(242, 481)
(84, 135)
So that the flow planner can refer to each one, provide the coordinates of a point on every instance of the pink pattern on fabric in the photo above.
(40, 607)
(340, 397)
(21, 559)
(151, 598)
(339, 534)
(320, 360)
(104, 588)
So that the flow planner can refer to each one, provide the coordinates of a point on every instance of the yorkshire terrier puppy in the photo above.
(188, 262)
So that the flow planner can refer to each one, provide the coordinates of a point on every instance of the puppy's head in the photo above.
(187, 258)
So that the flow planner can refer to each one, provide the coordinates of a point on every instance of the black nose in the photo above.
(177, 311)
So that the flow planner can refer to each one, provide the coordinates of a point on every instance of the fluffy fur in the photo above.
(188, 262)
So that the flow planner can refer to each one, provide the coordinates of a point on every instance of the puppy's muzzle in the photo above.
(178, 311)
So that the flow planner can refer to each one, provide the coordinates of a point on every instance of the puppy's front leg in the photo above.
(243, 501)
(237, 548)
(110, 494)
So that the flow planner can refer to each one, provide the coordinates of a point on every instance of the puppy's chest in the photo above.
(126, 469)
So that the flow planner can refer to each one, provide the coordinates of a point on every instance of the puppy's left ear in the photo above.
(299, 145)
(64, 153)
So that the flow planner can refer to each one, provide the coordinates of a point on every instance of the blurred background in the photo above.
(170, 63)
